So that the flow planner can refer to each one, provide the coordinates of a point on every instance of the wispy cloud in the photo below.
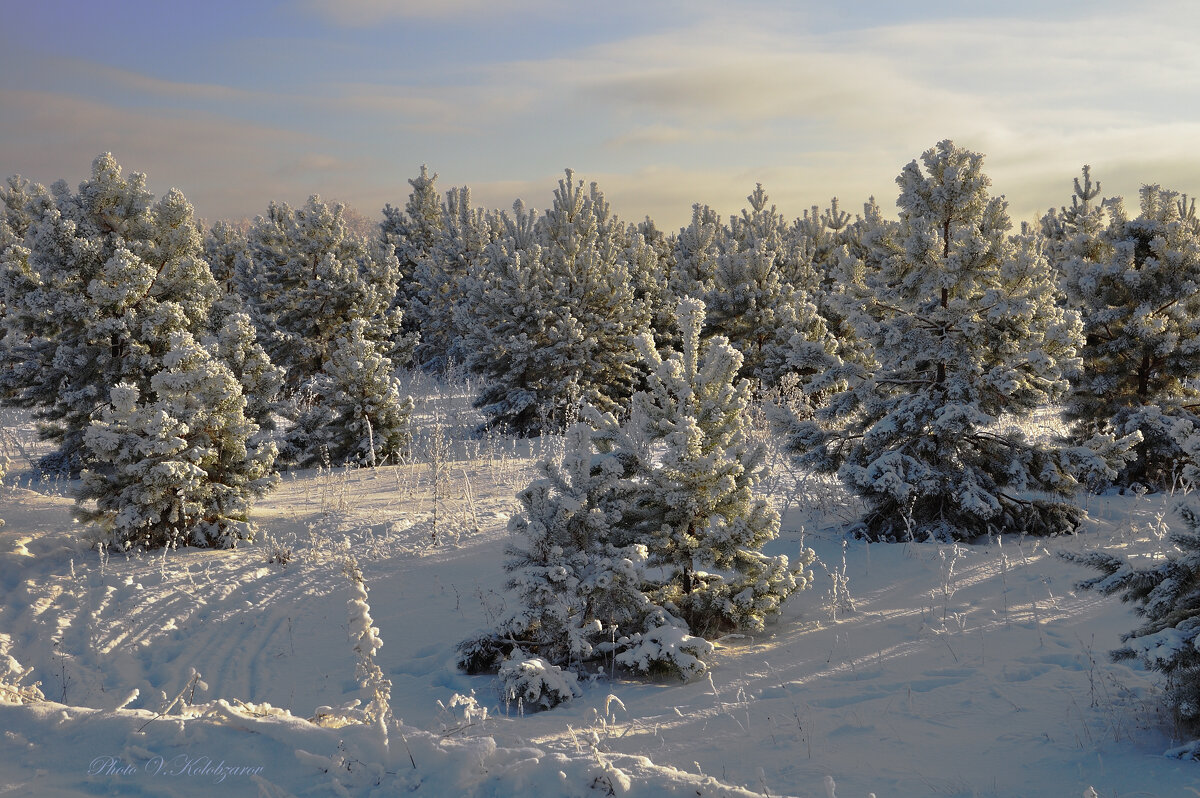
(357, 13)
(841, 113)
(663, 106)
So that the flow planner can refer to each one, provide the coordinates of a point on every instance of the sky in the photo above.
(663, 103)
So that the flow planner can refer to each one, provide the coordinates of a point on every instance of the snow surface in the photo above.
(911, 670)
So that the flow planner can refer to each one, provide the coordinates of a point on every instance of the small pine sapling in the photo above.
(175, 467)
(575, 587)
(366, 642)
(646, 537)
(690, 498)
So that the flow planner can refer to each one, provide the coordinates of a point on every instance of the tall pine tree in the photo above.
(313, 286)
(970, 335)
(1137, 284)
(102, 279)
(552, 314)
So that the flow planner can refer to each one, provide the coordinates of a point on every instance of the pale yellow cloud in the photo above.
(841, 114)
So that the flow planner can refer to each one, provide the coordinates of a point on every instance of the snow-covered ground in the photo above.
(912, 670)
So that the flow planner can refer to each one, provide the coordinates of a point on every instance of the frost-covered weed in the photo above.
(365, 640)
(460, 713)
(12, 689)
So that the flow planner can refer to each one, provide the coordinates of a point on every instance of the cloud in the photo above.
(842, 113)
(468, 107)
(654, 135)
(680, 108)
(360, 13)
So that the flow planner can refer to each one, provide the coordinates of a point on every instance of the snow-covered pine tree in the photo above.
(236, 345)
(357, 414)
(1166, 595)
(21, 199)
(174, 467)
(316, 287)
(652, 268)
(224, 244)
(833, 244)
(646, 536)
(513, 327)
(759, 302)
(763, 225)
(92, 296)
(696, 249)
(1137, 285)
(584, 249)
(970, 334)
(576, 589)
(306, 275)
(551, 314)
(440, 278)
(821, 236)
(690, 499)
(415, 229)
(1079, 231)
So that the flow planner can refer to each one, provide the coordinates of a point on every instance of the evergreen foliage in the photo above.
(1137, 284)
(174, 467)
(441, 278)
(516, 337)
(652, 270)
(236, 345)
(969, 334)
(1166, 595)
(646, 537)
(305, 276)
(1079, 231)
(692, 503)
(695, 254)
(576, 588)
(224, 245)
(552, 314)
(322, 297)
(92, 295)
(841, 251)
(356, 414)
(759, 301)
(415, 230)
